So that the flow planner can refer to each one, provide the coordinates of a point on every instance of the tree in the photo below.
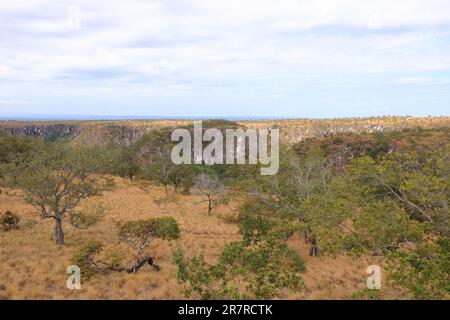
(395, 206)
(14, 151)
(242, 272)
(139, 234)
(210, 187)
(58, 178)
(257, 267)
(11, 148)
(126, 162)
(299, 180)
(156, 152)
(424, 271)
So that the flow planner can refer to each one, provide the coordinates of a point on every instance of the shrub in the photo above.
(9, 221)
(85, 258)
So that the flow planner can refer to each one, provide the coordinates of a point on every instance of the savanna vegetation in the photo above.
(339, 202)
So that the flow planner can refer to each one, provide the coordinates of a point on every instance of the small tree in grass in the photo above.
(209, 187)
(139, 234)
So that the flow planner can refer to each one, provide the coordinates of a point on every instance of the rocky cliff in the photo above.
(291, 131)
(47, 131)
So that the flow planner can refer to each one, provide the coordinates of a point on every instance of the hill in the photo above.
(291, 131)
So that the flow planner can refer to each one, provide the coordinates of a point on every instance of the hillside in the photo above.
(291, 131)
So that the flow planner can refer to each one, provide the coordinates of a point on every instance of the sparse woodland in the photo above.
(140, 227)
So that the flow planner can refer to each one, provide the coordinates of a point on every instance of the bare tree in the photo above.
(211, 188)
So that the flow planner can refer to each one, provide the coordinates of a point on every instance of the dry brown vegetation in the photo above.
(32, 266)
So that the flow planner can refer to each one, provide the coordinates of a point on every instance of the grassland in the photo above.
(33, 267)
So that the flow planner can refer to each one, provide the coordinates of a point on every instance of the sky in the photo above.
(227, 58)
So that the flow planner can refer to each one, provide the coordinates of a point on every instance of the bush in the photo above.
(9, 221)
(85, 258)
(366, 294)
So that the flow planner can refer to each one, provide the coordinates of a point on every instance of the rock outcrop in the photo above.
(46, 131)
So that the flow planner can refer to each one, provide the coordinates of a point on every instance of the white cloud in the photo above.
(146, 46)
(13, 102)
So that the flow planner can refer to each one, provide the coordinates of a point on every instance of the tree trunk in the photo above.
(165, 188)
(131, 176)
(139, 264)
(209, 205)
(59, 233)
(313, 250)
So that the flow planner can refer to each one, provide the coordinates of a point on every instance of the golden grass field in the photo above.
(32, 266)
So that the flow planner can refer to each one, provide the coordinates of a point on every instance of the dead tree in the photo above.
(209, 187)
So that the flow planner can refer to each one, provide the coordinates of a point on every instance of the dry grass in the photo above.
(33, 267)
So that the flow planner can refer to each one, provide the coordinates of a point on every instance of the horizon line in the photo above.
(20, 118)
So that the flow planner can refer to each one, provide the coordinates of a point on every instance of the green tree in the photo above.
(139, 234)
(424, 271)
(57, 178)
(257, 267)
(156, 153)
(126, 160)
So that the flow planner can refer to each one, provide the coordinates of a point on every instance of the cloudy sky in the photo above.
(279, 58)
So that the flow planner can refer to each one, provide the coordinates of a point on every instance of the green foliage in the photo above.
(257, 267)
(13, 152)
(254, 222)
(57, 177)
(9, 221)
(139, 234)
(416, 182)
(367, 294)
(358, 195)
(424, 271)
(243, 272)
(86, 258)
(12, 149)
(124, 160)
